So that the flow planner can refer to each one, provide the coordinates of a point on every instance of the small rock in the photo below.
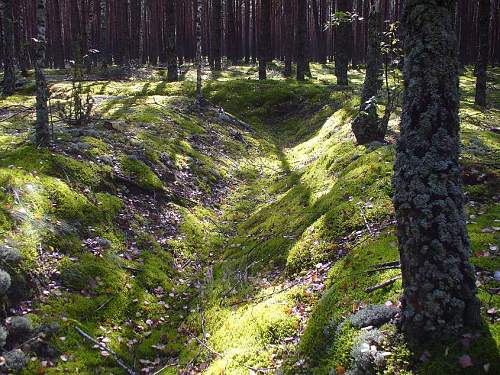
(373, 315)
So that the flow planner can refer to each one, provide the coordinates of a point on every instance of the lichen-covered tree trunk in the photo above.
(264, 37)
(216, 34)
(42, 112)
(103, 33)
(301, 39)
(439, 297)
(172, 71)
(9, 78)
(342, 45)
(483, 50)
(367, 126)
(199, 94)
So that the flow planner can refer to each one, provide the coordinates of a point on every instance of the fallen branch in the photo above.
(365, 220)
(382, 269)
(120, 363)
(382, 285)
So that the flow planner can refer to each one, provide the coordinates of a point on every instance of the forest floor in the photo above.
(188, 244)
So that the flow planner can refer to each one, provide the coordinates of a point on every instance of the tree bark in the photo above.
(199, 94)
(231, 41)
(483, 51)
(367, 126)
(57, 42)
(264, 39)
(172, 71)
(439, 297)
(216, 34)
(9, 78)
(42, 133)
(301, 39)
(342, 44)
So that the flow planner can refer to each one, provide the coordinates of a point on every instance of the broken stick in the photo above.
(120, 363)
(382, 285)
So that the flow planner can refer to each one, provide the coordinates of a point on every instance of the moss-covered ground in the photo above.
(196, 246)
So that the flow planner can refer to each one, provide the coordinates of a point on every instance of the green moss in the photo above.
(346, 287)
(141, 173)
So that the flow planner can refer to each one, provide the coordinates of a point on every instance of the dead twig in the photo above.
(383, 284)
(120, 363)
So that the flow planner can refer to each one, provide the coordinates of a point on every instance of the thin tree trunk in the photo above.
(172, 74)
(366, 126)
(42, 113)
(342, 45)
(9, 78)
(57, 42)
(288, 37)
(264, 39)
(301, 39)
(217, 35)
(199, 94)
(439, 297)
(482, 59)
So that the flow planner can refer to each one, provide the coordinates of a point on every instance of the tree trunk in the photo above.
(483, 51)
(439, 297)
(247, 31)
(217, 35)
(57, 42)
(172, 74)
(342, 45)
(42, 133)
(289, 31)
(231, 42)
(9, 78)
(264, 39)
(103, 33)
(199, 94)
(366, 126)
(301, 39)
(320, 33)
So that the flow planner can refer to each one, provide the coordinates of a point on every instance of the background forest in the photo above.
(249, 187)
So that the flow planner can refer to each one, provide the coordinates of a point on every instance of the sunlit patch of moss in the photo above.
(98, 146)
(247, 336)
(348, 280)
(141, 173)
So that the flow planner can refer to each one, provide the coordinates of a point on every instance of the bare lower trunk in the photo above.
(42, 113)
(172, 74)
(342, 45)
(367, 127)
(9, 79)
(439, 298)
(199, 94)
(301, 39)
(482, 59)
(217, 34)
(264, 39)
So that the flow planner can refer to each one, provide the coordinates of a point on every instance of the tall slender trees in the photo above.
(172, 71)
(301, 39)
(483, 51)
(9, 78)
(42, 134)
(439, 297)
(264, 37)
(342, 41)
(216, 34)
